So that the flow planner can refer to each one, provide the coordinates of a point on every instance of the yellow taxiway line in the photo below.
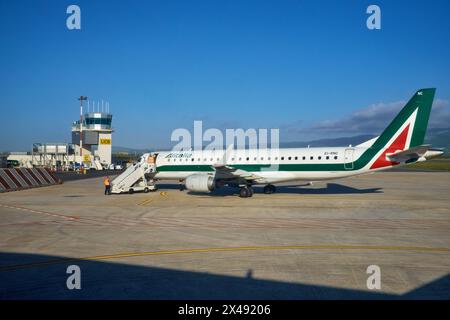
(143, 203)
(229, 249)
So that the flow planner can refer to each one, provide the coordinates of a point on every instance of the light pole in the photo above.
(81, 98)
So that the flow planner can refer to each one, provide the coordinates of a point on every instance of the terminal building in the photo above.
(91, 146)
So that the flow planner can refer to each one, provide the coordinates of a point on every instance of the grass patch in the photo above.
(440, 164)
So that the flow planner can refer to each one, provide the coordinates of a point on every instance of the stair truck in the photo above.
(137, 177)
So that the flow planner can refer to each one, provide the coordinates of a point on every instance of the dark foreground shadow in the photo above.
(108, 280)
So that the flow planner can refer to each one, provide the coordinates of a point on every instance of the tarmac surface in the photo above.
(303, 242)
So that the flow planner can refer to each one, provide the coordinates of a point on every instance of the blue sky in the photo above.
(293, 65)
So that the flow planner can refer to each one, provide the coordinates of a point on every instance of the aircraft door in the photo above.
(151, 160)
(348, 158)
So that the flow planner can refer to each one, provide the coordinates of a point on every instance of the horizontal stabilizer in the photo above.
(409, 154)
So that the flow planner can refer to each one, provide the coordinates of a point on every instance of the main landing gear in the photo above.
(269, 189)
(246, 192)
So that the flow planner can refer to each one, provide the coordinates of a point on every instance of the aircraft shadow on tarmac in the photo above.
(331, 188)
(108, 280)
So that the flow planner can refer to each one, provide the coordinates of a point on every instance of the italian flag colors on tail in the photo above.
(407, 130)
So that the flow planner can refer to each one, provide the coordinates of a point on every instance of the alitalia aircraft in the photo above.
(399, 144)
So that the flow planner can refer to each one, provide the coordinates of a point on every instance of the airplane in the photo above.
(401, 143)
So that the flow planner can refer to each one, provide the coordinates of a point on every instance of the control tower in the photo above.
(95, 147)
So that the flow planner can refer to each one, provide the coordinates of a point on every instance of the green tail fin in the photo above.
(416, 112)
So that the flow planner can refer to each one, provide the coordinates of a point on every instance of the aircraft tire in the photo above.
(269, 189)
(244, 192)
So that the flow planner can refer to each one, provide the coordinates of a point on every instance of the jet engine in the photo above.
(200, 183)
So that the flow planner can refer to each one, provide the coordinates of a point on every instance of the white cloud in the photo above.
(372, 120)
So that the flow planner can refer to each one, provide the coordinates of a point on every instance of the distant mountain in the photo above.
(119, 149)
(438, 137)
(336, 142)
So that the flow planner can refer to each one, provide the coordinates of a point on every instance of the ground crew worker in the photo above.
(107, 186)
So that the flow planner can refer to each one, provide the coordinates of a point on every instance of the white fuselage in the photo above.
(273, 165)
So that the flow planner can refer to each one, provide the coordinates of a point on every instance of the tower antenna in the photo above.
(81, 99)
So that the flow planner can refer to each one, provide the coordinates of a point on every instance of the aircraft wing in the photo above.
(231, 172)
(409, 154)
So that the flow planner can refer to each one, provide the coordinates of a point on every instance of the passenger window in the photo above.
(304, 158)
(311, 158)
(335, 157)
(282, 158)
(248, 158)
(320, 158)
(296, 158)
(289, 158)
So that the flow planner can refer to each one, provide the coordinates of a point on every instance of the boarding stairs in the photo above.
(98, 165)
(134, 177)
